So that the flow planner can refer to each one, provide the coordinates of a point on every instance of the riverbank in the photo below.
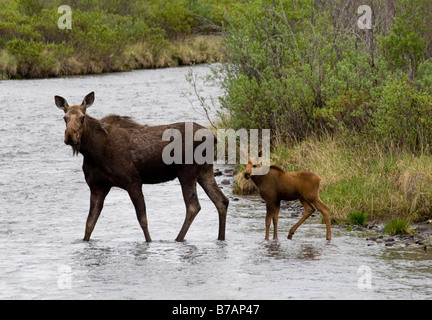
(420, 235)
(41, 40)
(193, 49)
(360, 182)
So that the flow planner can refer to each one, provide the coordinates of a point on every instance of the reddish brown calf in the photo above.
(277, 185)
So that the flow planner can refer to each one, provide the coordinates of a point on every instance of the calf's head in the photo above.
(255, 167)
(74, 118)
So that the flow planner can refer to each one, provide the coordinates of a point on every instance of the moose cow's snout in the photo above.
(247, 176)
(72, 137)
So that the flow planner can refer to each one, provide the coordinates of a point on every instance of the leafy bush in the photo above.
(424, 76)
(31, 57)
(300, 69)
(404, 115)
(15, 26)
(405, 46)
(295, 73)
(98, 39)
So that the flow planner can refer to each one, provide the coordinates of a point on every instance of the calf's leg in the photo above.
(325, 211)
(308, 210)
(272, 215)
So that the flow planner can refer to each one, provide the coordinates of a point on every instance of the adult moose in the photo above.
(119, 152)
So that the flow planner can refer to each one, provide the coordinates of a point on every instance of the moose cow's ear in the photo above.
(61, 103)
(88, 100)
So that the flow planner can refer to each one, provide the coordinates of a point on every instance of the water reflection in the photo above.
(274, 249)
(309, 252)
(140, 250)
(94, 255)
(411, 254)
(189, 253)
(282, 250)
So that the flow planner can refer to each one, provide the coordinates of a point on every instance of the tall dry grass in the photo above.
(361, 178)
(190, 50)
(8, 65)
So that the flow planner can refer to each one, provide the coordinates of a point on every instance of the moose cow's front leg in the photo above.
(97, 199)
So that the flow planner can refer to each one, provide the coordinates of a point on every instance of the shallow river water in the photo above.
(44, 205)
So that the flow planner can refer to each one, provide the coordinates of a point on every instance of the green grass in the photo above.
(357, 218)
(399, 226)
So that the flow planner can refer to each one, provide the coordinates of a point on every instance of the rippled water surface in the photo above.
(44, 205)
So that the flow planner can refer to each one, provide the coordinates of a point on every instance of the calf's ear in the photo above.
(61, 103)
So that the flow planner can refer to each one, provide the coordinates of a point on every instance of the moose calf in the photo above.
(277, 185)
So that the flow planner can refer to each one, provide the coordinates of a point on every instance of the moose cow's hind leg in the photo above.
(208, 183)
(192, 206)
(137, 198)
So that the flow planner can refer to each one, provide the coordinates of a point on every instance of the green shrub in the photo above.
(15, 26)
(424, 76)
(32, 58)
(30, 7)
(8, 67)
(172, 16)
(296, 70)
(404, 115)
(404, 47)
(291, 74)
